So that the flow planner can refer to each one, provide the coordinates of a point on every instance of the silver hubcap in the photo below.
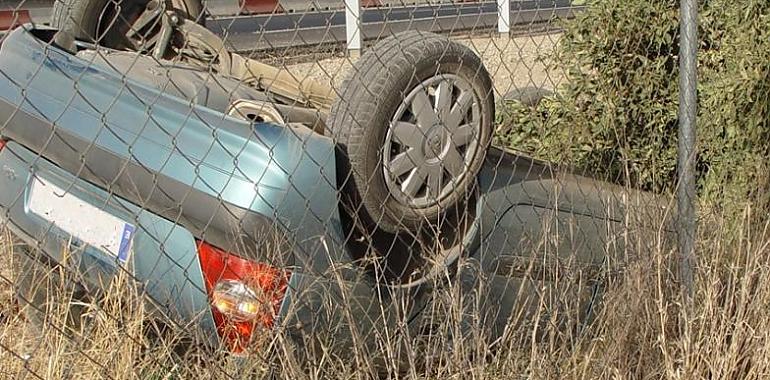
(432, 140)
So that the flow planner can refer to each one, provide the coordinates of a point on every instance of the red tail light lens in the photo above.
(245, 295)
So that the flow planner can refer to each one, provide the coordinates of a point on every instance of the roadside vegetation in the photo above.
(615, 113)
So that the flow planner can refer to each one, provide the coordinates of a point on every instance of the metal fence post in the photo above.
(353, 26)
(688, 110)
(504, 16)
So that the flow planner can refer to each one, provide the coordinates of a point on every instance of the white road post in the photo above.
(353, 27)
(504, 17)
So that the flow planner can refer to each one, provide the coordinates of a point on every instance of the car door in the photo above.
(550, 242)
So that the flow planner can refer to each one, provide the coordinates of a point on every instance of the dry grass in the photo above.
(643, 331)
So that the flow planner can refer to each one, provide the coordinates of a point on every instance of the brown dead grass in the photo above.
(643, 331)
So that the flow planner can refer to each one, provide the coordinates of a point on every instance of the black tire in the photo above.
(96, 20)
(369, 98)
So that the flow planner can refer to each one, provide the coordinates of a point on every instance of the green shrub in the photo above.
(616, 114)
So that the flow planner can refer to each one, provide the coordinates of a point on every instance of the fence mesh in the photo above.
(323, 189)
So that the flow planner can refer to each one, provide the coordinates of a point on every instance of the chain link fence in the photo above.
(330, 189)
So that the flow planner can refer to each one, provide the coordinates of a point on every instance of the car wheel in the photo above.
(110, 23)
(412, 125)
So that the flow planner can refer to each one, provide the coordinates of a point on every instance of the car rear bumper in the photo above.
(163, 257)
(331, 306)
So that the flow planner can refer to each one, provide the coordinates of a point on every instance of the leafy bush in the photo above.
(616, 113)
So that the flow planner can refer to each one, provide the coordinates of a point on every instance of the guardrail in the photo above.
(253, 25)
(262, 32)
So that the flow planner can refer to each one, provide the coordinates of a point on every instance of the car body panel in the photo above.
(133, 140)
(214, 177)
(169, 272)
(548, 235)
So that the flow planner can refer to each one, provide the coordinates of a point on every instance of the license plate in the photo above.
(80, 219)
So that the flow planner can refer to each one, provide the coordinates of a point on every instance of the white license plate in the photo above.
(80, 219)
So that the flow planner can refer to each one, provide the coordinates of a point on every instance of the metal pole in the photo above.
(688, 111)
(353, 27)
(504, 16)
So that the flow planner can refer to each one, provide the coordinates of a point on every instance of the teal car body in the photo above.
(181, 173)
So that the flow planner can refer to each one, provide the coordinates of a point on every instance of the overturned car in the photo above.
(254, 205)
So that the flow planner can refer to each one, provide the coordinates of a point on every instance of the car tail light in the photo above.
(245, 296)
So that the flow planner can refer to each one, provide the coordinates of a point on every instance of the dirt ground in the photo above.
(513, 63)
